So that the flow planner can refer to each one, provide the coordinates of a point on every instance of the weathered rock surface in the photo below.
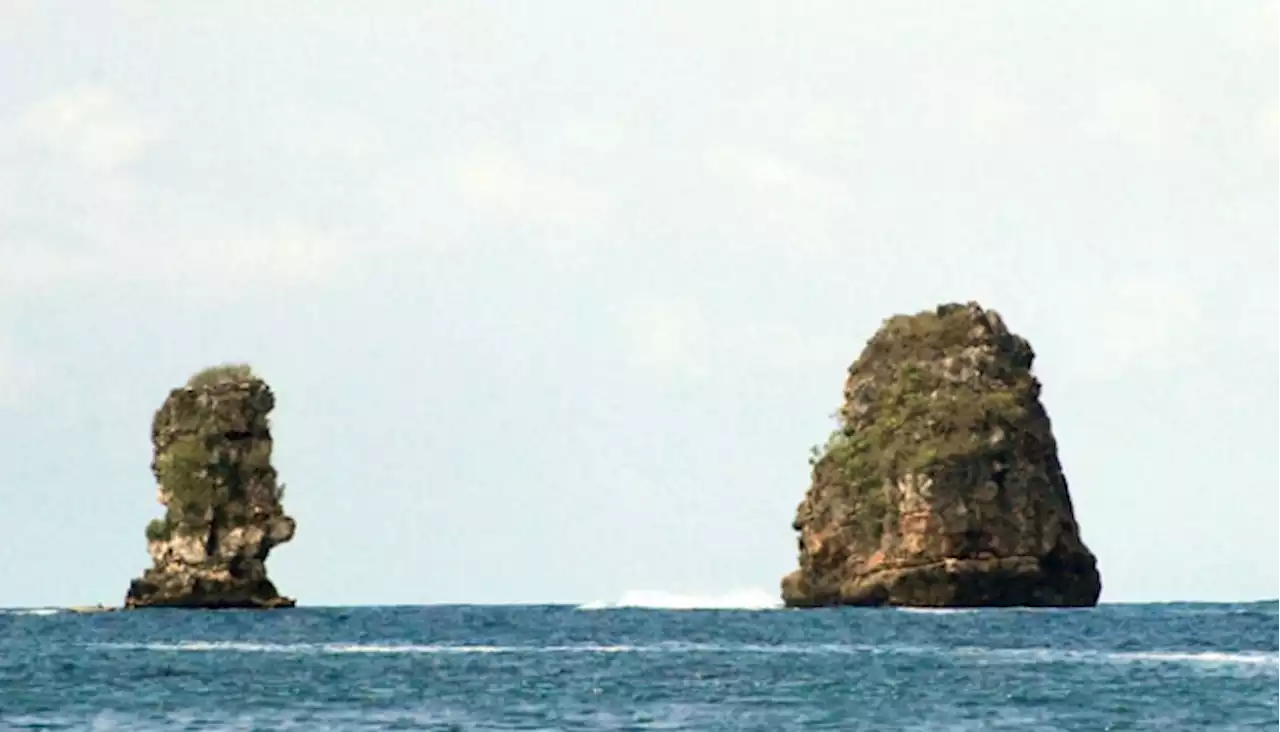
(223, 514)
(942, 486)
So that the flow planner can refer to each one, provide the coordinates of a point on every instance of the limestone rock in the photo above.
(942, 486)
(212, 447)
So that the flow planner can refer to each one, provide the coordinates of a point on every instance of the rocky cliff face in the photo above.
(942, 486)
(222, 503)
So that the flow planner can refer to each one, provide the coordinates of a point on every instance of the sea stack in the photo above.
(212, 464)
(941, 487)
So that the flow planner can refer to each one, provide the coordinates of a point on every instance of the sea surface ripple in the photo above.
(627, 667)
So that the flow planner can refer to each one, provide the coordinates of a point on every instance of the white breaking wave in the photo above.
(1244, 657)
(386, 648)
(1256, 659)
(1054, 655)
(937, 610)
(1208, 657)
(32, 611)
(746, 599)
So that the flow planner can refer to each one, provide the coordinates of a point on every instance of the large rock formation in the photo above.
(942, 486)
(223, 514)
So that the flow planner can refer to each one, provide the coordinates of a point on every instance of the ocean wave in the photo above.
(375, 648)
(746, 599)
(937, 610)
(433, 648)
(1056, 655)
(1210, 657)
(979, 654)
(31, 611)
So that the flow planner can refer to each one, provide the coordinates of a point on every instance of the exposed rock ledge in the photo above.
(223, 513)
(942, 486)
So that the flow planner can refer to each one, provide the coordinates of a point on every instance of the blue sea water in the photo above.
(1117, 667)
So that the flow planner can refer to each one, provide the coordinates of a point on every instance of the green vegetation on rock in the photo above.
(200, 467)
(186, 470)
(227, 372)
(159, 530)
(849, 461)
(923, 395)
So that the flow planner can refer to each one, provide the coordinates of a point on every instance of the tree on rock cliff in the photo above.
(212, 463)
(942, 485)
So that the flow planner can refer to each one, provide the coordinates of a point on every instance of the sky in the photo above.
(555, 297)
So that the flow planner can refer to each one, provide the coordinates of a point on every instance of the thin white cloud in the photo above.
(231, 261)
(1249, 25)
(767, 171)
(508, 186)
(334, 135)
(90, 125)
(285, 254)
(826, 125)
(666, 337)
(19, 17)
(14, 378)
(773, 345)
(992, 115)
(26, 268)
(1133, 111)
(805, 119)
(1267, 126)
(594, 136)
(76, 215)
(795, 204)
(1144, 321)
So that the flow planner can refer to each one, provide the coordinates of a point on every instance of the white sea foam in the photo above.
(1211, 657)
(743, 599)
(1055, 655)
(393, 648)
(31, 611)
(207, 646)
(369, 648)
(937, 610)
(415, 648)
(1262, 660)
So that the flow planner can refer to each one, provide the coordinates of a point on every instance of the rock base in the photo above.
(985, 582)
(195, 592)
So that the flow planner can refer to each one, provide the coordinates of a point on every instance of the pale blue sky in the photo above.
(556, 296)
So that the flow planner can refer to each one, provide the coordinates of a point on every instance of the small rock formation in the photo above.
(223, 514)
(942, 486)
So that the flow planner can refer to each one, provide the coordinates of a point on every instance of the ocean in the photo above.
(602, 667)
